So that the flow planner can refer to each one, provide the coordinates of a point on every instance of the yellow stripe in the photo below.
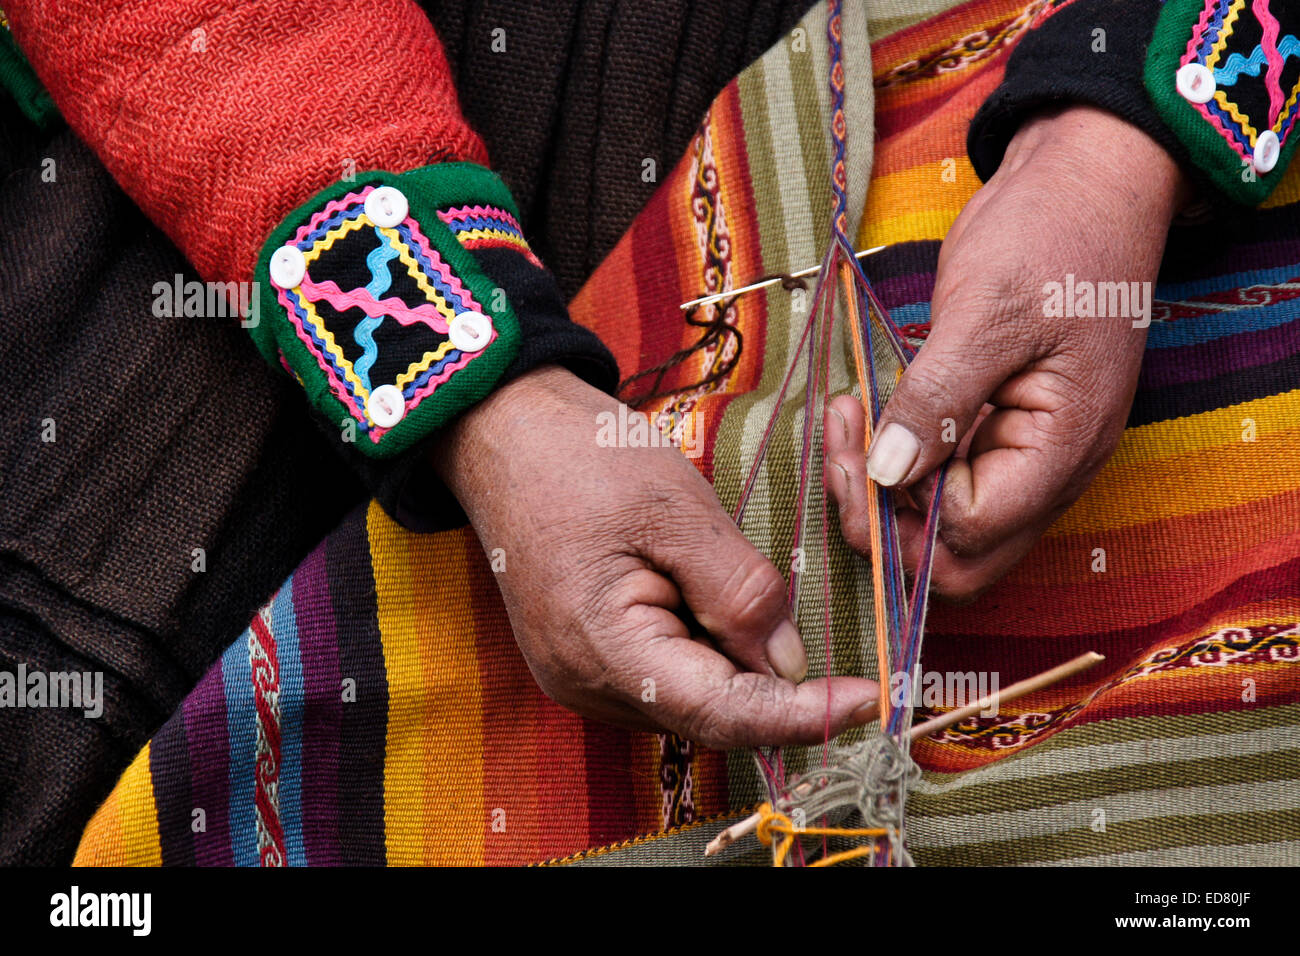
(433, 766)
(476, 235)
(891, 214)
(931, 224)
(1171, 469)
(124, 830)
(429, 358)
(1212, 429)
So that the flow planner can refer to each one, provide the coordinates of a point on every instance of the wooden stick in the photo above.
(1020, 689)
(754, 286)
(934, 725)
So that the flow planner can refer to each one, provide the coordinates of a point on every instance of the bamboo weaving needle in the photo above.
(773, 280)
(936, 724)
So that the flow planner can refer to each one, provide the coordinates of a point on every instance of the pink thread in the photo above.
(450, 278)
(1276, 99)
(1198, 34)
(477, 212)
(424, 314)
(331, 207)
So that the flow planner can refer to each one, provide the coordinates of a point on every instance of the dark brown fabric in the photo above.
(172, 434)
(586, 91)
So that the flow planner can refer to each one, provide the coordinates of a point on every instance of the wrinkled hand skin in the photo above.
(608, 552)
(1039, 403)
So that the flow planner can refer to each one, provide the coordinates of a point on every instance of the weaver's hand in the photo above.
(602, 545)
(1033, 401)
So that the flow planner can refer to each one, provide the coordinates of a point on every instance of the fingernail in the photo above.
(866, 713)
(786, 654)
(893, 454)
(844, 425)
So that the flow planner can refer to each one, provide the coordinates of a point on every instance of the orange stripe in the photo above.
(124, 831)
(1219, 535)
(103, 843)
(1105, 604)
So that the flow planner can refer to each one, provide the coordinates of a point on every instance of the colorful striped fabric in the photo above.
(1183, 747)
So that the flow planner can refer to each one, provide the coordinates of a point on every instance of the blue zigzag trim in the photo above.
(363, 333)
(430, 272)
(1213, 29)
(436, 368)
(484, 222)
(1237, 64)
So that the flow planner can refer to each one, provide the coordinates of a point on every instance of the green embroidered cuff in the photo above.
(17, 78)
(371, 298)
(1225, 76)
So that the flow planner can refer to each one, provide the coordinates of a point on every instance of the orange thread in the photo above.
(772, 824)
(873, 506)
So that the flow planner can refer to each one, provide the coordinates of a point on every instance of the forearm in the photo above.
(218, 120)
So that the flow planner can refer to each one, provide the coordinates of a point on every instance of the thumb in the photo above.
(735, 593)
(702, 696)
(938, 398)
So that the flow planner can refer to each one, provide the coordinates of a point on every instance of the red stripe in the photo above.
(266, 682)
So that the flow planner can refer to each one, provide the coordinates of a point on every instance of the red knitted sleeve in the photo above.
(219, 118)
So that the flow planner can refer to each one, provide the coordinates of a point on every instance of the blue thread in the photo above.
(430, 272)
(1237, 64)
(363, 333)
(468, 224)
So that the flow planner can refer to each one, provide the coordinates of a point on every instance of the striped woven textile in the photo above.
(377, 711)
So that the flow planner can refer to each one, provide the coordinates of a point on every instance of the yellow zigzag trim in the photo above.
(1222, 99)
(1290, 104)
(409, 376)
(474, 235)
(1217, 50)
(338, 232)
(416, 273)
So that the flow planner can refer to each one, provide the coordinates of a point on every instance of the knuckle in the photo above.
(924, 397)
(740, 711)
(756, 591)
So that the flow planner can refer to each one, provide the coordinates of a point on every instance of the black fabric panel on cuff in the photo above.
(408, 488)
(1055, 66)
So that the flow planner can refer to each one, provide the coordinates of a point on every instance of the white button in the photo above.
(386, 206)
(1196, 82)
(386, 406)
(288, 266)
(1267, 150)
(470, 331)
